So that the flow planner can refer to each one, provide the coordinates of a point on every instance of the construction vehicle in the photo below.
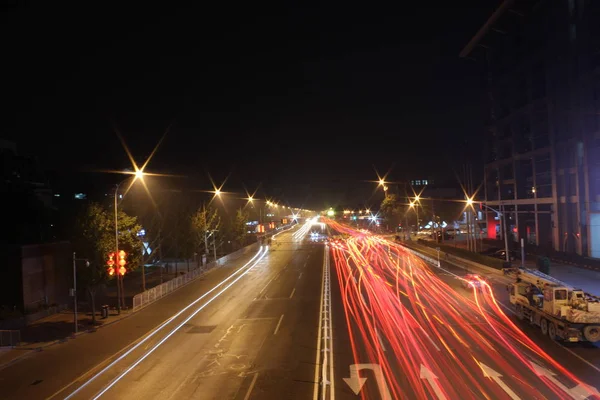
(560, 310)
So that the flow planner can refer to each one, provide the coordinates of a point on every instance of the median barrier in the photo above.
(143, 299)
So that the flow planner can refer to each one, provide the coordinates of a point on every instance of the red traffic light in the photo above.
(110, 271)
(122, 261)
(122, 271)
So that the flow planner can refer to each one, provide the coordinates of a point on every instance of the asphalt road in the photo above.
(255, 340)
(444, 360)
(250, 334)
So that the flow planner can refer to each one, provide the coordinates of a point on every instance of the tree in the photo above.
(204, 221)
(391, 210)
(96, 239)
(240, 229)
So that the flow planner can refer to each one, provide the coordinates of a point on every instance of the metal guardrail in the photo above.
(141, 300)
(10, 338)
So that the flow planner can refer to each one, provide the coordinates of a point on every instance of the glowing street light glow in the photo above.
(217, 192)
(470, 202)
(250, 199)
(381, 182)
(412, 204)
(139, 174)
(417, 198)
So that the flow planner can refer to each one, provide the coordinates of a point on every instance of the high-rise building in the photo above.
(541, 67)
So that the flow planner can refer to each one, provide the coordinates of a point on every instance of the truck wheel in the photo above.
(552, 330)
(519, 312)
(592, 333)
(544, 326)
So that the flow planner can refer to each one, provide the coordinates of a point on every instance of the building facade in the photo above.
(541, 68)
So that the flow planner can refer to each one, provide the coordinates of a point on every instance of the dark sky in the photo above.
(304, 99)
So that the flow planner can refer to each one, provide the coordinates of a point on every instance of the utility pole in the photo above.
(117, 248)
(75, 292)
(215, 245)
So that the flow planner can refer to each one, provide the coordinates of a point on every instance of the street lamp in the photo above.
(139, 174)
(415, 205)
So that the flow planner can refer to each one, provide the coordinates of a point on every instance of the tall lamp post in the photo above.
(139, 174)
(504, 227)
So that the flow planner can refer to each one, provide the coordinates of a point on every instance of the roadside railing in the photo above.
(141, 300)
(10, 338)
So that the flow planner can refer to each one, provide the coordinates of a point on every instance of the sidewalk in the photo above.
(580, 278)
(55, 329)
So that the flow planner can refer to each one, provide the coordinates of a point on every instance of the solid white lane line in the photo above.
(159, 328)
(318, 353)
(278, 325)
(331, 374)
(293, 291)
(300, 276)
(249, 392)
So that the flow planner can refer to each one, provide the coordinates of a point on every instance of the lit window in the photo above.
(418, 182)
(424, 181)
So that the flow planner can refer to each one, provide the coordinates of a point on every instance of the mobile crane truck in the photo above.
(560, 310)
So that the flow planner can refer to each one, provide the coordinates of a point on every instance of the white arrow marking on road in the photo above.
(432, 379)
(578, 392)
(356, 382)
(495, 376)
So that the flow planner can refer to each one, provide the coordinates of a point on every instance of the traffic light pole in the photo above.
(117, 252)
(504, 227)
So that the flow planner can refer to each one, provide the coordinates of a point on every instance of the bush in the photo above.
(543, 264)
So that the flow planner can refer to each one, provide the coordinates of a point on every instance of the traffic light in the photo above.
(122, 263)
(111, 264)
(260, 228)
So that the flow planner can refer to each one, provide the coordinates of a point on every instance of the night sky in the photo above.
(302, 99)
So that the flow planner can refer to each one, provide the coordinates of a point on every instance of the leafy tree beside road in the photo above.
(204, 221)
(95, 239)
(240, 229)
(391, 210)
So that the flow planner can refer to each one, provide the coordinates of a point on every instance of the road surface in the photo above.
(440, 341)
(245, 331)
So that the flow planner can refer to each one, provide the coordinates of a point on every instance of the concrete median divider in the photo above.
(143, 299)
(424, 252)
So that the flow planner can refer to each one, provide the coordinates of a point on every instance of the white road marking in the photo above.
(430, 339)
(278, 325)
(318, 353)
(380, 340)
(300, 276)
(293, 291)
(251, 386)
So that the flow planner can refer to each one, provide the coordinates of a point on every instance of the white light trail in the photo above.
(164, 324)
(156, 346)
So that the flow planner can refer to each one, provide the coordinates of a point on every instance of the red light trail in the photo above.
(430, 341)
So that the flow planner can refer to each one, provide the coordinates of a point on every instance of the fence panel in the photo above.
(141, 300)
(9, 338)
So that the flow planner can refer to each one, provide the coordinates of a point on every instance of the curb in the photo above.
(459, 259)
